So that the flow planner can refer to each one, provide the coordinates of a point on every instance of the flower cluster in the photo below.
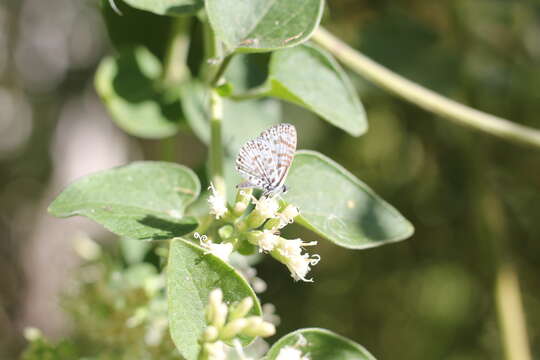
(260, 228)
(226, 323)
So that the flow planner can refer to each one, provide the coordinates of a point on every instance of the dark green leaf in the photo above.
(191, 275)
(167, 7)
(338, 206)
(143, 200)
(264, 25)
(131, 88)
(320, 344)
(137, 28)
(319, 85)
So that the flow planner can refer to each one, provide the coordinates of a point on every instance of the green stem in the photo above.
(216, 146)
(175, 65)
(221, 70)
(507, 293)
(212, 53)
(254, 93)
(425, 98)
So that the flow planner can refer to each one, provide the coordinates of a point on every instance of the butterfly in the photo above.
(265, 161)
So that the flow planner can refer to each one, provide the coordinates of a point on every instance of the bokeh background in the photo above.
(474, 200)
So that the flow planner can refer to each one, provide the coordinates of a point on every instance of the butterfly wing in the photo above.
(282, 140)
(256, 164)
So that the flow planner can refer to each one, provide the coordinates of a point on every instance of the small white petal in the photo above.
(291, 353)
(267, 207)
(217, 203)
(268, 241)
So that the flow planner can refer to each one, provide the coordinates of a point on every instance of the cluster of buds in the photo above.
(260, 228)
(226, 323)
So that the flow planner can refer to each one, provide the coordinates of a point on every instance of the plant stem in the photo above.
(254, 93)
(507, 294)
(425, 98)
(221, 70)
(175, 66)
(216, 146)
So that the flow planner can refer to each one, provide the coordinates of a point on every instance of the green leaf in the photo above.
(339, 207)
(143, 200)
(321, 344)
(137, 28)
(242, 121)
(131, 88)
(264, 25)
(320, 85)
(167, 7)
(192, 274)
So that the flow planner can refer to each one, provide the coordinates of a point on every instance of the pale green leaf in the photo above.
(168, 7)
(139, 103)
(143, 200)
(320, 344)
(339, 207)
(309, 77)
(192, 274)
(264, 25)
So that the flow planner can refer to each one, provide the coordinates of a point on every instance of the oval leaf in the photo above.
(264, 25)
(167, 7)
(191, 275)
(143, 200)
(339, 207)
(320, 344)
(321, 86)
(131, 88)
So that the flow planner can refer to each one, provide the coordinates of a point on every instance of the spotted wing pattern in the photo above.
(265, 161)
(282, 139)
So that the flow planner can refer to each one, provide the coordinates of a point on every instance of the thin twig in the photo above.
(425, 98)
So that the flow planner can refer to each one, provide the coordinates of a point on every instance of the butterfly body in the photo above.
(265, 161)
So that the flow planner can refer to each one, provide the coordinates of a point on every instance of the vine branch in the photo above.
(423, 97)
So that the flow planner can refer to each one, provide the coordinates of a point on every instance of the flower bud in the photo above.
(243, 198)
(220, 316)
(210, 334)
(257, 327)
(241, 309)
(214, 351)
(232, 329)
(215, 300)
(265, 208)
(225, 231)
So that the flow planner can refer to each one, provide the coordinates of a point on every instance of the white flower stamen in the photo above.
(287, 216)
(267, 241)
(222, 251)
(267, 207)
(290, 254)
(217, 203)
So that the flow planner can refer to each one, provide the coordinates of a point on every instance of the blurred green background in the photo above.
(474, 200)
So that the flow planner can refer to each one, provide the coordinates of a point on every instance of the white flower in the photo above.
(290, 254)
(222, 251)
(266, 207)
(291, 353)
(218, 205)
(287, 215)
(267, 241)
